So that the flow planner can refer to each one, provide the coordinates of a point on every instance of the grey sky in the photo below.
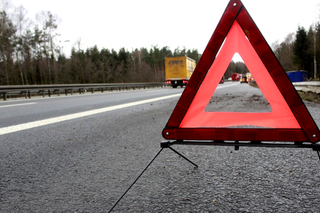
(174, 23)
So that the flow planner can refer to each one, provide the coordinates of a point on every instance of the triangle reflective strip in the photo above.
(297, 124)
(281, 115)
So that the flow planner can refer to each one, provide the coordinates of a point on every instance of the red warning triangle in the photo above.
(289, 119)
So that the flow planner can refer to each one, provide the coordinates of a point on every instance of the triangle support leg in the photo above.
(135, 181)
(168, 145)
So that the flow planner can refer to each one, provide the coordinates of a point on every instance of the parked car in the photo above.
(243, 80)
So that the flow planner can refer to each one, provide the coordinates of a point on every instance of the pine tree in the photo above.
(301, 53)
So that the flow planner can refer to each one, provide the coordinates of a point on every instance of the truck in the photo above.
(178, 70)
(236, 76)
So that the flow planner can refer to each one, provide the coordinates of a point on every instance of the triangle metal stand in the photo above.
(163, 145)
(236, 144)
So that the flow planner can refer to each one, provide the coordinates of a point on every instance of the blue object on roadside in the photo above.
(298, 76)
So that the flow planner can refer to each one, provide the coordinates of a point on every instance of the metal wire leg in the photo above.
(135, 181)
(183, 156)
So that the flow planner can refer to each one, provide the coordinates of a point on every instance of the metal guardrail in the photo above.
(308, 86)
(29, 90)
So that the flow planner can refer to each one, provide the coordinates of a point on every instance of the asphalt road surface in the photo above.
(80, 153)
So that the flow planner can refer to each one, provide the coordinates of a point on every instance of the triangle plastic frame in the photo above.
(236, 12)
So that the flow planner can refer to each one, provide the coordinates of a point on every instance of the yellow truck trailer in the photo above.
(179, 70)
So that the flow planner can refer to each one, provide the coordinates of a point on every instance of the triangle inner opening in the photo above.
(238, 91)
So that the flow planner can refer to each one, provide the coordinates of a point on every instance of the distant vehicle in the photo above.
(243, 79)
(235, 76)
(229, 79)
(178, 70)
(249, 77)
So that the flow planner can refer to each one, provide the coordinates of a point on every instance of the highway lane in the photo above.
(85, 164)
(69, 166)
(47, 168)
(23, 111)
(26, 111)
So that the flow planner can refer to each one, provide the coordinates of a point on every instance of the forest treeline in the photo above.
(300, 50)
(30, 53)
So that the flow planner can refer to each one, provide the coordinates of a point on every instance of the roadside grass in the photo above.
(310, 96)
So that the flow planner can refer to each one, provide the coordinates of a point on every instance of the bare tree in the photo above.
(7, 32)
(49, 26)
(284, 52)
(22, 24)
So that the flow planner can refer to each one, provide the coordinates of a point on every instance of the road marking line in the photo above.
(229, 85)
(156, 90)
(34, 124)
(13, 105)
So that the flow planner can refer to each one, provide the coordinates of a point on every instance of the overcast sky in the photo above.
(174, 23)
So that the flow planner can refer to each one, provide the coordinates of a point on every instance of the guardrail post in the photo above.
(66, 91)
(49, 94)
(4, 96)
(29, 94)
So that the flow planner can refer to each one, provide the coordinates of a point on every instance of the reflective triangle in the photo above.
(281, 115)
(289, 119)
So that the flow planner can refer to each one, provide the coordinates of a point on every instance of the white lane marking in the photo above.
(13, 105)
(157, 90)
(228, 85)
(34, 124)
